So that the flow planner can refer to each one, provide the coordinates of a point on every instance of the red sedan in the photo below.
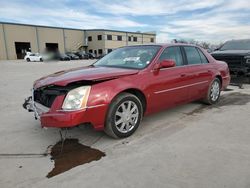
(115, 93)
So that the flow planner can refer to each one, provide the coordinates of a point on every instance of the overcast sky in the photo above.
(208, 20)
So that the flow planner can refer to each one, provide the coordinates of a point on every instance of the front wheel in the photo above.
(213, 94)
(124, 116)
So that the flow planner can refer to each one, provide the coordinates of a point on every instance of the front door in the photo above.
(169, 84)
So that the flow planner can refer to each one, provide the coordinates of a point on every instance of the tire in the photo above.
(213, 94)
(120, 122)
(28, 59)
(41, 59)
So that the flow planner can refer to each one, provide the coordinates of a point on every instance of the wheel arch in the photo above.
(138, 93)
(220, 78)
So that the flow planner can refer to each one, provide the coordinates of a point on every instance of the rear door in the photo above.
(198, 72)
(169, 83)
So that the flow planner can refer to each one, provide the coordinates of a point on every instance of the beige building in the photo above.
(102, 41)
(16, 39)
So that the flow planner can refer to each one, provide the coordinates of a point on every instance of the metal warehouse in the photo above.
(17, 39)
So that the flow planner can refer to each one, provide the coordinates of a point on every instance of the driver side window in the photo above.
(173, 53)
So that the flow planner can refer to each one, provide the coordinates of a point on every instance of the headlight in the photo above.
(76, 99)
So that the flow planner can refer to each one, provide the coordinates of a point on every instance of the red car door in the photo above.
(168, 85)
(199, 74)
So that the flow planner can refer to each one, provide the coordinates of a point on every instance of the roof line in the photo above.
(54, 27)
(112, 30)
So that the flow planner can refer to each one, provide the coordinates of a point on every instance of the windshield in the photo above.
(236, 45)
(133, 57)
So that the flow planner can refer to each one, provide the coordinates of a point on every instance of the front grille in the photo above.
(232, 61)
(46, 96)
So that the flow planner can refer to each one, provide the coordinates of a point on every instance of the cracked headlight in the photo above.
(77, 98)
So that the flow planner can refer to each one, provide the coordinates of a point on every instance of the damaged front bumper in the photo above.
(32, 106)
(55, 117)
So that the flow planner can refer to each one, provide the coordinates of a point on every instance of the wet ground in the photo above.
(228, 99)
(70, 153)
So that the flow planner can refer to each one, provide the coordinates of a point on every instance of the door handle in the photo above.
(183, 75)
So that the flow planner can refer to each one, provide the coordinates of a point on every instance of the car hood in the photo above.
(90, 73)
(231, 52)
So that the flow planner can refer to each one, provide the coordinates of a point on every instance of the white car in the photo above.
(33, 57)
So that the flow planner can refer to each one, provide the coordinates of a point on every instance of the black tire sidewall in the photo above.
(112, 111)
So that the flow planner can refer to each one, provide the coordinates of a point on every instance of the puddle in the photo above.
(73, 154)
(225, 100)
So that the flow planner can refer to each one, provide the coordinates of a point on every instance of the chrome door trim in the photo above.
(180, 87)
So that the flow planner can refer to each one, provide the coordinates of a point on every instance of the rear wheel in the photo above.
(213, 94)
(124, 116)
(28, 59)
(41, 59)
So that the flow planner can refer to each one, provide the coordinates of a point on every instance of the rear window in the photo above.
(203, 57)
(193, 56)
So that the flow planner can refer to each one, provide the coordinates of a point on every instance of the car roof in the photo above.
(164, 44)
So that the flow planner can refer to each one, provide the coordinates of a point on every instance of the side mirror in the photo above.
(166, 63)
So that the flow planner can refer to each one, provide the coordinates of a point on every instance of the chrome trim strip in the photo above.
(225, 77)
(62, 110)
(180, 87)
(82, 109)
(96, 106)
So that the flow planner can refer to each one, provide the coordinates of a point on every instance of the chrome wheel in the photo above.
(126, 116)
(215, 91)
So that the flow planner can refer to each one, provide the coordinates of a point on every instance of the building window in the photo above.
(90, 51)
(119, 37)
(99, 51)
(99, 37)
(152, 40)
(129, 38)
(109, 37)
(89, 38)
(109, 50)
(135, 39)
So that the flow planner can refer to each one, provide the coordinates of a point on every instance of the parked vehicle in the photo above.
(91, 55)
(33, 57)
(236, 53)
(118, 90)
(72, 56)
(82, 55)
(61, 57)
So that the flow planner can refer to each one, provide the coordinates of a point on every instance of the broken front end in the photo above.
(65, 107)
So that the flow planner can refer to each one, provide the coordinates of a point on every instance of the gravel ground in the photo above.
(192, 145)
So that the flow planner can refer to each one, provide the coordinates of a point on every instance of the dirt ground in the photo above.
(192, 145)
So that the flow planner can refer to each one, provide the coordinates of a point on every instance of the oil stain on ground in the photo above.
(72, 154)
(225, 100)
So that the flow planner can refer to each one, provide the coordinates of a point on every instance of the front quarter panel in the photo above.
(101, 96)
(104, 92)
